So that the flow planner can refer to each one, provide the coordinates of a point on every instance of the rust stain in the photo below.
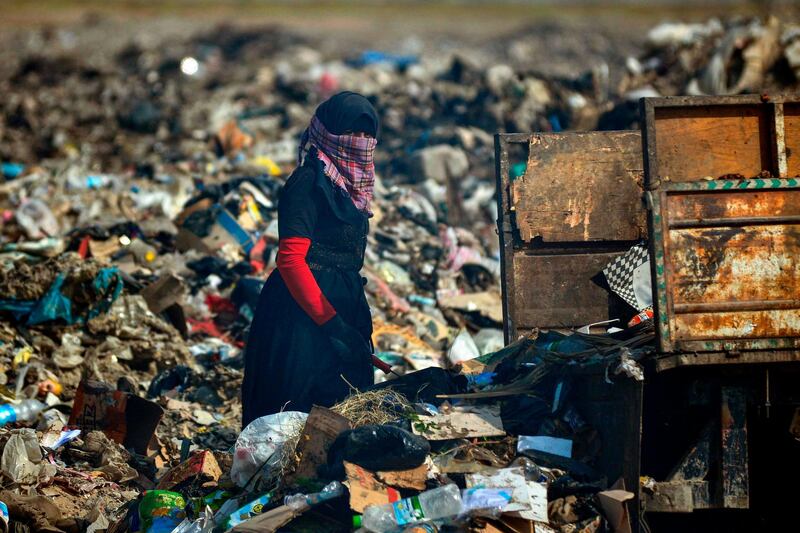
(735, 264)
(735, 204)
(738, 324)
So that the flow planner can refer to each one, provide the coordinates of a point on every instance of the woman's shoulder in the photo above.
(301, 178)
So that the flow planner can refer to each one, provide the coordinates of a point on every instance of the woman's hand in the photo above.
(347, 342)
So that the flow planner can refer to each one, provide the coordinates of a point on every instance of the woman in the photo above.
(312, 326)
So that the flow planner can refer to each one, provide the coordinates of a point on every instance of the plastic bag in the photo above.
(379, 448)
(53, 305)
(22, 456)
(260, 443)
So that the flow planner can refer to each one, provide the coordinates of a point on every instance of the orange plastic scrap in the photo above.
(232, 139)
(379, 327)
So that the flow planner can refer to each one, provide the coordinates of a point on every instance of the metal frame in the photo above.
(505, 225)
(664, 305)
(647, 107)
(728, 350)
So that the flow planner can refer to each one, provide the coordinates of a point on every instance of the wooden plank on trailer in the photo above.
(556, 291)
(699, 141)
(581, 187)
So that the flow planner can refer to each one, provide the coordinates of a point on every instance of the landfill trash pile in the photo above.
(139, 198)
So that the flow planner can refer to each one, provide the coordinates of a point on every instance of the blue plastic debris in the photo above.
(108, 283)
(53, 305)
(12, 170)
(371, 57)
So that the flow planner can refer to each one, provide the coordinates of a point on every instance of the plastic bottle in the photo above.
(441, 502)
(24, 411)
(425, 527)
(301, 502)
(142, 252)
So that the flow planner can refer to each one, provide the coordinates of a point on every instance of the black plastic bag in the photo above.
(376, 448)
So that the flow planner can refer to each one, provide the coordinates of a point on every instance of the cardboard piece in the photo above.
(365, 489)
(186, 240)
(202, 466)
(615, 508)
(406, 479)
(461, 422)
(488, 304)
(321, 429)
(97, 406)
(167, 290)
(106, 248)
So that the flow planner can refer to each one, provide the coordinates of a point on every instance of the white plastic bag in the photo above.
(260, 443)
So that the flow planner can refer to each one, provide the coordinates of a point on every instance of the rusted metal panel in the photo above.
(697, 461)
(791, 139)
(698, 358)
(727, 264)
(735, 476)
(581, 187)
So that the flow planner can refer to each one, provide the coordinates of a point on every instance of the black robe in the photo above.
(290, 364)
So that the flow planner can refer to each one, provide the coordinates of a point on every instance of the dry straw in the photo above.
(372, 407)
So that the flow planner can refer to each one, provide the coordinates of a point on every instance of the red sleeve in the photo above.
(300, 281)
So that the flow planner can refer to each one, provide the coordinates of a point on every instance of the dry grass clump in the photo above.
(372, 407)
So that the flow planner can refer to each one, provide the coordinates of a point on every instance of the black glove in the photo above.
(348, 343)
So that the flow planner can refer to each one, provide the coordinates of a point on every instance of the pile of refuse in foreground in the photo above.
(497, 445)
(139, 198)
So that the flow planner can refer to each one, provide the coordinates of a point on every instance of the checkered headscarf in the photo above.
(347, 160)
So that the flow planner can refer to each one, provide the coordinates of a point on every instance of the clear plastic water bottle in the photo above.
(441, 502)
(301, 502)
(24, 411)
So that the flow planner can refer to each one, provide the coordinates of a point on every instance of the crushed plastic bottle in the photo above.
(301, 502)
(430, 505)
(24, 411)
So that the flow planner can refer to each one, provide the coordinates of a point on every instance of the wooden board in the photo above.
(321, 429)
(581, 187)
(791, 126)
(711, 140)
(556, 291)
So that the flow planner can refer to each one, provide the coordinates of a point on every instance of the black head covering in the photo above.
(348, 111)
